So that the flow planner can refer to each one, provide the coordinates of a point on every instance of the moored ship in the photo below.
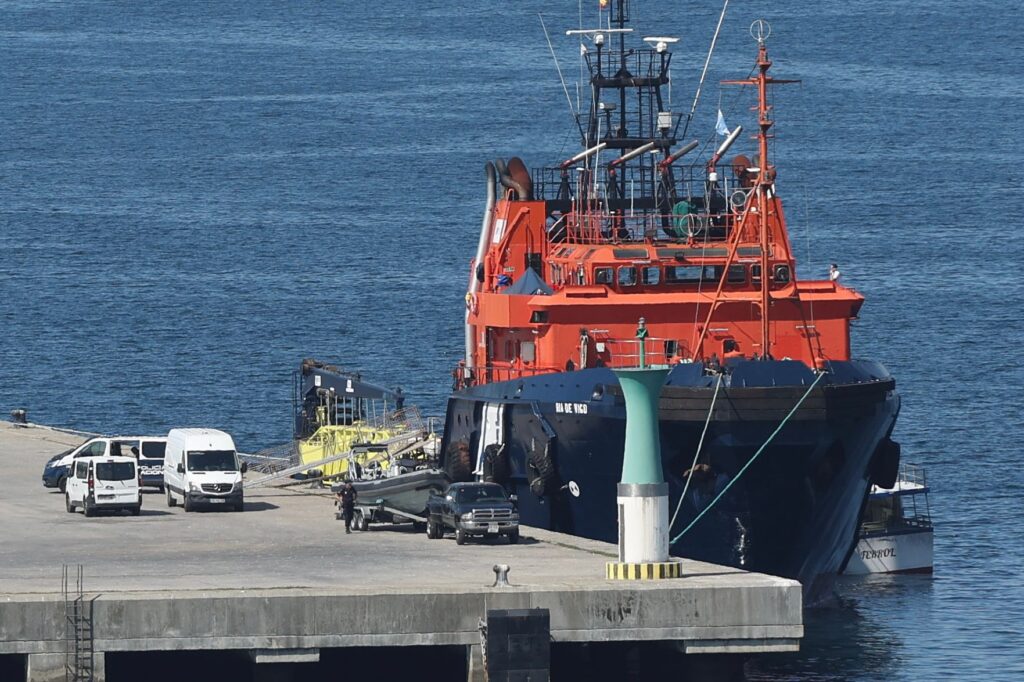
(771, 432)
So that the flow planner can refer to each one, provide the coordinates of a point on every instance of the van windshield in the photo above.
(153, 449)
(115, 471)
(212, 460)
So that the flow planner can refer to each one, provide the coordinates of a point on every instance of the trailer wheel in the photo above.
(360, 521)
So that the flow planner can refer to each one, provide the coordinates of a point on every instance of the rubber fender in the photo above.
(459, 462)
(495, 465)
(885, 464)
(541, 471)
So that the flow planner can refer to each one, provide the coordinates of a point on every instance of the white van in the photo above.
(104, 483)
(58, 468)
(201, 467)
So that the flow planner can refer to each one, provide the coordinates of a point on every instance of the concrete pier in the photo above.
(283, 582)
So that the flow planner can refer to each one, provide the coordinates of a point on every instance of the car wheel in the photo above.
(171, 502)
(187, 503)
(62, 484)
(460, 536)
(67, 504)
(88, 508)
(513, 537)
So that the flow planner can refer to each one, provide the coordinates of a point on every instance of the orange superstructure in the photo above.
(700, 252)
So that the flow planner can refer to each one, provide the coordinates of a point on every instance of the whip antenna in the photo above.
(575, 115)
(704, 73)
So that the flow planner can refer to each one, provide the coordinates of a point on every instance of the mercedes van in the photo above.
(103, 484)
(201, 468)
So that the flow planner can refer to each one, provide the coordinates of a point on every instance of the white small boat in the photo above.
(896, 530)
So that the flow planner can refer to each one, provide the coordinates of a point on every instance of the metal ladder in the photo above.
(78, 635)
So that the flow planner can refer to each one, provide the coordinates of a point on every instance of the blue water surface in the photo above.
(194, 196)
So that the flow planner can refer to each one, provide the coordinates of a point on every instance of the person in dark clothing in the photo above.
(346, 503)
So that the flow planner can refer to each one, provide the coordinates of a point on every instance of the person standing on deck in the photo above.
(347, 502)
(833, 273)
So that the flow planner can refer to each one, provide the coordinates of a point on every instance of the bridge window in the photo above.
(737, 274)
(652, 275)
(603, 275)
(692, 274)
(627, 276)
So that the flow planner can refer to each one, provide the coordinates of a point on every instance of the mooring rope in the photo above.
(746, 466)
(700, 444)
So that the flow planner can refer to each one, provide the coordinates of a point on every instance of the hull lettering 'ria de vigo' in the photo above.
(624, 254)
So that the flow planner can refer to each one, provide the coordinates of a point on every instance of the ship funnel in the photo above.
(678, 154)
(584, 154)
(643, 149)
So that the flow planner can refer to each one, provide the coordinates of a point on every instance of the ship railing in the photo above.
(508, 371)
(640, 184)
(687, 226)
(634, 353)
(913, 473)
(640, 62)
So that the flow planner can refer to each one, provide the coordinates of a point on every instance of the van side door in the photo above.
(77, 485)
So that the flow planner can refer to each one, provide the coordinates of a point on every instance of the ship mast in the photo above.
(760, 30)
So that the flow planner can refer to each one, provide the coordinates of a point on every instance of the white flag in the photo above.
(720, 127)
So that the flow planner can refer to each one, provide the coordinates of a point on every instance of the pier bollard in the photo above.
(642, 492)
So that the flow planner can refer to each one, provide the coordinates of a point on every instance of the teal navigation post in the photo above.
(642, 492)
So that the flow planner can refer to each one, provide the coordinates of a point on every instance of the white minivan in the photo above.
(201, 467)
(104, 483)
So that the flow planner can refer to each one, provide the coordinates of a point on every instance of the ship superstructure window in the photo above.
(652, 275)
(603, 276)
(781, 273)
(755, 273)
(737, 274)
(627, 276)
(692, 274)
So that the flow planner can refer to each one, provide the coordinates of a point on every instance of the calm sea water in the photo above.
(195, 196)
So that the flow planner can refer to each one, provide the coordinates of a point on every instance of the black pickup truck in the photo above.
(473, 509)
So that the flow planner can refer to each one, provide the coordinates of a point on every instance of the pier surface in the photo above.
(283, 579)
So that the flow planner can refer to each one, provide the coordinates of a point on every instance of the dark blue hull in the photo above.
(795, 510)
